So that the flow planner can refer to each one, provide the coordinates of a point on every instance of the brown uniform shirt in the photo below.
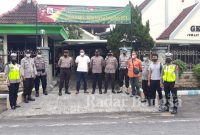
(111, 64)
(96, 64)
(65, 62)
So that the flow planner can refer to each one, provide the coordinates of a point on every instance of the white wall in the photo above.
(155, 13)
(185, 32)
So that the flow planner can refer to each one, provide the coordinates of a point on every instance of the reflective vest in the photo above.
(169, 73)
(14, 72)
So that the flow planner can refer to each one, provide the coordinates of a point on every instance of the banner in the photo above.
(83, 14)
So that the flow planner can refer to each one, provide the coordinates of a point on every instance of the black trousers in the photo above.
(43, 79)
(170, 90)
(97, 77)
(123, 74)
(155, 86)
(146, 89)
(13, 90)
(28, 86)
(110, 78)
(65, 74)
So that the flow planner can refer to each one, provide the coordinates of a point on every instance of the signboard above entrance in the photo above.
(83, 14)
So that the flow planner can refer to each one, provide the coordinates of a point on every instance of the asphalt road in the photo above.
(186, 122)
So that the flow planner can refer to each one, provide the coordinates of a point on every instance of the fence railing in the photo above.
(190, 57)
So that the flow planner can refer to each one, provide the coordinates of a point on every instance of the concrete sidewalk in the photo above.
(53, 104)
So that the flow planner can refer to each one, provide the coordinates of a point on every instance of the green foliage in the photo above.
(74, 31)
(196, 71)
(181, 66)
(134, 31)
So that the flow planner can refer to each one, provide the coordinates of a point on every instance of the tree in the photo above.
(74, 31)
(137, 35)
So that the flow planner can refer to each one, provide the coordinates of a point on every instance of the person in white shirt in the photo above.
(82, 62)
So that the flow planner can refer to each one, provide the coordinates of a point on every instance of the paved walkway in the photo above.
(82, 103)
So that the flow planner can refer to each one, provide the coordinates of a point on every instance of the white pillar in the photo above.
(45, 41)
(166, 13)
(5, 48)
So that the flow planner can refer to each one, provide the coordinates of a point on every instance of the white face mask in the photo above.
(145, 59)
(82, 54)
(28, 55)
(39, 55)
(133, 56)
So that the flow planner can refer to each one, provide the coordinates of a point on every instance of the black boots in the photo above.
(67, 92)
(174, 111)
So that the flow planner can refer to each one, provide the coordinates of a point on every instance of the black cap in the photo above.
(66, 51)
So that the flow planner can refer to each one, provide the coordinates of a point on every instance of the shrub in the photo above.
(181, 65)
(196, 71)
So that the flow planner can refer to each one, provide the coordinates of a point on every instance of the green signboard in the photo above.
(83, 14)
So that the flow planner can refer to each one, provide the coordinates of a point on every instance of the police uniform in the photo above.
(12, 72)
(111, 65)
(169, 74)
(65, 64)
(28, 73)
(41, 74)
(123, 70)
(97, 66)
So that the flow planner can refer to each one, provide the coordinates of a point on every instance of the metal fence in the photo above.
(190, 57)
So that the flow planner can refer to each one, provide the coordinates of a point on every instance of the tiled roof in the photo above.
(166, 34)
(144, 4)
(23, 13)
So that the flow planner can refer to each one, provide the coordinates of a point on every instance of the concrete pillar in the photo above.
(45, 54)
(5, 48)
(45, 41)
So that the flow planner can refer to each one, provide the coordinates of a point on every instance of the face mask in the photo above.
(168, 60)
(109, 54)
(133, 56)
(39, 55)
(28, 55)
(154, 60)
(82, 54)
(13, 61)
(145, 59)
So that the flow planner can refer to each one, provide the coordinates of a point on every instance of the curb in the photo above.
(188, 92)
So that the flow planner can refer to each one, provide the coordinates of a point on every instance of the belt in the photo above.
(65, 68)
(40, 70)
(123, 68)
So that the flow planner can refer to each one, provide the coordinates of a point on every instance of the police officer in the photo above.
(65, 63)
(111, 65)
(96, 65)
(169, 77)
(41, 74)
(12, 72)
(28, 73)
(123, 71)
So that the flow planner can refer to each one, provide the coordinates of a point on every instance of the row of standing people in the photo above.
(154, 74)
(29, 73)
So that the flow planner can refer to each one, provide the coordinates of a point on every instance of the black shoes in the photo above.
(174, 111)
(37, 94)
(13, 107)
(25, 100)
(119, 91)
(31, 99)
(67, 92)
(86, 92)
(45, 92)
(60, 93)
(114, 92)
